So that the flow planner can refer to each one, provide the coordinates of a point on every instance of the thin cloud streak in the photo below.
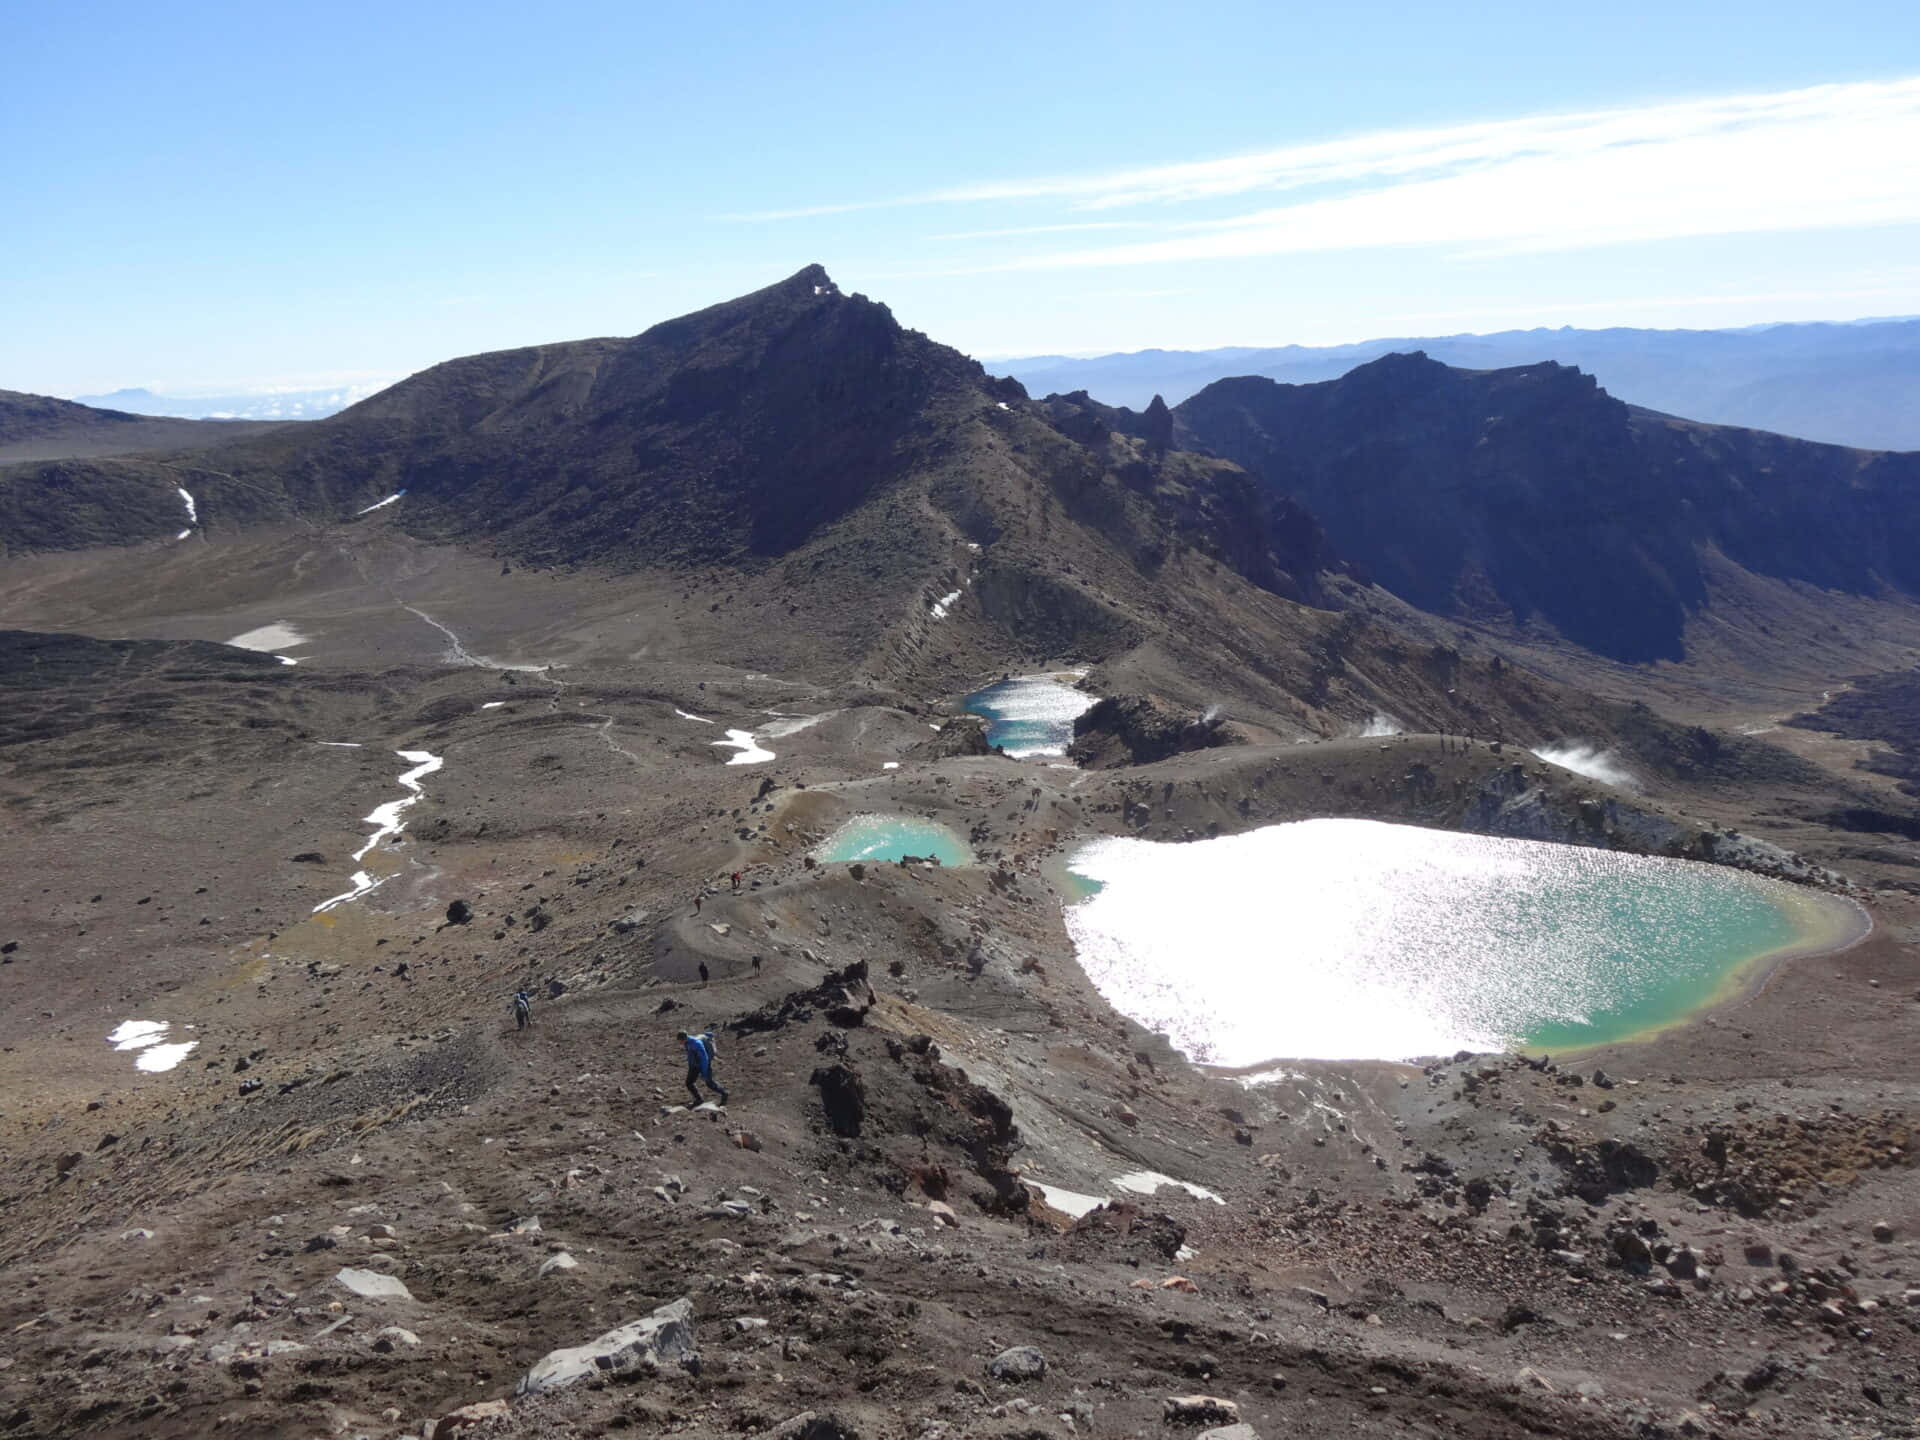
(1830, 156)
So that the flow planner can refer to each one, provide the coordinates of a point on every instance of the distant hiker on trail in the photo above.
(700, 1064)
(696, 904)
(522, 1009)
(736, 882)
(703, 972)
(756, 964)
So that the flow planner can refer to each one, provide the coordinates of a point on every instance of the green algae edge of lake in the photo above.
(1822, 924)
(876, 838)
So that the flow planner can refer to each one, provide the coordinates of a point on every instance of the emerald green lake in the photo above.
(1353, 939)
(890, 837)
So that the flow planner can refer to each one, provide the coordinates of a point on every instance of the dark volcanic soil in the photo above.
(1480, 1247)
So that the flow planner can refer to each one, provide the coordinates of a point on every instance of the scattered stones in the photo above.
(1883, 1232)
(663, 1338)
(1200, 1410)
(392, 1337)
(809, 1426)
(1020, 1363)
(555, 1264)
(457, 1422)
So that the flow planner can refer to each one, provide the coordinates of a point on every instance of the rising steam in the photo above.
(1590, 761)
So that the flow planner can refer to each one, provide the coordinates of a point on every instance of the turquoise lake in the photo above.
(889, 837)
(1355, 939)
(1031, 715)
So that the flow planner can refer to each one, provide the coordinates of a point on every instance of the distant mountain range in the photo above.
(801, 435)
(255, 405)
(1852, 384)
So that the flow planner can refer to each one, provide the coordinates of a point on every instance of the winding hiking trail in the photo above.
(458, 654)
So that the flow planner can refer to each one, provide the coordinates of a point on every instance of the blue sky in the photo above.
(209, 196)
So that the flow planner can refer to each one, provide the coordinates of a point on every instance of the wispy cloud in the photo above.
(1018, 230)
(1827, 157)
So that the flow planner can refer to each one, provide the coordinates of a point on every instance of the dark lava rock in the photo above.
(1137, 730)
(459, 912)
(309, 857)
(844, 1095)
(962, 735)
(1021, 1362)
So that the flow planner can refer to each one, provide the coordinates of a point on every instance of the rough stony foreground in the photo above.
(368, 1205)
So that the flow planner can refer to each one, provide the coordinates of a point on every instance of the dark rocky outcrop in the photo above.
(961, 735)
(1138, 730)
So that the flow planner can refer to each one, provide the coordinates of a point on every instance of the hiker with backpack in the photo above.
(700, 1064)
(522, 1009)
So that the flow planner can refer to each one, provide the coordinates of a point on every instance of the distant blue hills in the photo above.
(254, 405)
(1856, 383)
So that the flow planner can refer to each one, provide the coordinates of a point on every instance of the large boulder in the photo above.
(372, 1285)
(1138, 730)
(1022, 1362)
(663, 1338)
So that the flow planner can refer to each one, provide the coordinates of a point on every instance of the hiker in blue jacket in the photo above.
(700, 1064)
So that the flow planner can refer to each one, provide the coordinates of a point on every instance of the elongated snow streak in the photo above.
(133, 1034)
(784, 725)
(157, 1058)
(750, 750)
(941, 605)
(387, 821)
(697, 719)
(381, 504)
(193, 512)
(145, 1036)
(1145, 1182)
(1067, 1202)
(1588, 760)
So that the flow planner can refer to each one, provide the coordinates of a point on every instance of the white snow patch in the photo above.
(157, 1058)
(381, 504)
(133, 1034)
(1588, 760)
(193, 511)
(386, 820)
(184, 533)
(1003, 404)
(286, 660)
(1145, 1182)
(340, 744)
(1068, 1202)
(697, 719)
(493, 705)
(786, 725)
(940, 605)
(146, 1037)
(891, 765)
(277, 636)
(750, 752)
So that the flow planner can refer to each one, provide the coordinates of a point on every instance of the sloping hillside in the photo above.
(1532, 495)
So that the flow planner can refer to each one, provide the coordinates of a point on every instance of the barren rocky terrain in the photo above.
(364, 1203)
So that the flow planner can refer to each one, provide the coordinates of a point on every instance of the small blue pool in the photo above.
(889, 837)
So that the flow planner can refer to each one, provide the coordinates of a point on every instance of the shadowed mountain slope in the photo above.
(1530, 494)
